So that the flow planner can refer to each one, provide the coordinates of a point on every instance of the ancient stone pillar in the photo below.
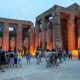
(26, 43)
(32, 41)
(71, 33)
(56, 30)
(78, 23)
(40, 39)
(6, 37)
(19, 37)
(43, 34)
(37, 29)
(12, 43)
(0, 42)
(48, 36)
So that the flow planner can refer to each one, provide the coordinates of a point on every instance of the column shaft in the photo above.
(32, 41)
(48, 39)
(36, 36)
(43, 33)
(56, 30)
(6, 37)
(19, 37)
(71, 33)
(78, 33)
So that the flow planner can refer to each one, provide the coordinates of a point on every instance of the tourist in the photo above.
(47, 54)
(7, 58)
(15, 58)
(70, 54)
(60, 56)
(55, 57)
(19, 58)
(64, 55)
(28, 57)
(40, 54)
(11, 58)
(2, 60)
(38, 57)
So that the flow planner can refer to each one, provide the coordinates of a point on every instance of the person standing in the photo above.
(15, 58)
(28, 57)
(2, 60)
(64, 55)
(11, 58)
(19, 58)
(70, 54)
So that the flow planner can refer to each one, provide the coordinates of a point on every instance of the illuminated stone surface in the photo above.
(0, 41)
(32, 42)
(5, 37)
(65, 27)
(19, 37)
(12, 43)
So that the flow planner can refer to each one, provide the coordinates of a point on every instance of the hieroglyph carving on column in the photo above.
(6, 37)
(57, 30)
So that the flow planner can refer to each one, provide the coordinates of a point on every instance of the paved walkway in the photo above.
(68, 70)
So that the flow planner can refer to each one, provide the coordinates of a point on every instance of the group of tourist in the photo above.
(54, 57)
(12, 59)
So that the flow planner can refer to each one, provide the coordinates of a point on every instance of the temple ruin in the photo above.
(58, 27)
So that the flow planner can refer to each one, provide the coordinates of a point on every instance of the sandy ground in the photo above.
(68, 70)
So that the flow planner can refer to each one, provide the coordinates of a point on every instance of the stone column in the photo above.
(12, 43)
(40, 39)
(32, 41)
(71, 33)
(26, 43)
(6, 36)
(0, 42)
(43, 34)
(37, 29)
(48, 36)
(19, 37)
(78, 24)
(56, 30)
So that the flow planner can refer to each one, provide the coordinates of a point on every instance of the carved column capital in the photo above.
(56, 19)
(71, 19)
(19, 28)
(43, 23)
(6, 27)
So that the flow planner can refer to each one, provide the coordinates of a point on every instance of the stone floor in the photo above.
(68, 70)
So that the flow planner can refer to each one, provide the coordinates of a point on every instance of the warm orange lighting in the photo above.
(79, 42)
(75, 53)
(23, 52)
(32, 52)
